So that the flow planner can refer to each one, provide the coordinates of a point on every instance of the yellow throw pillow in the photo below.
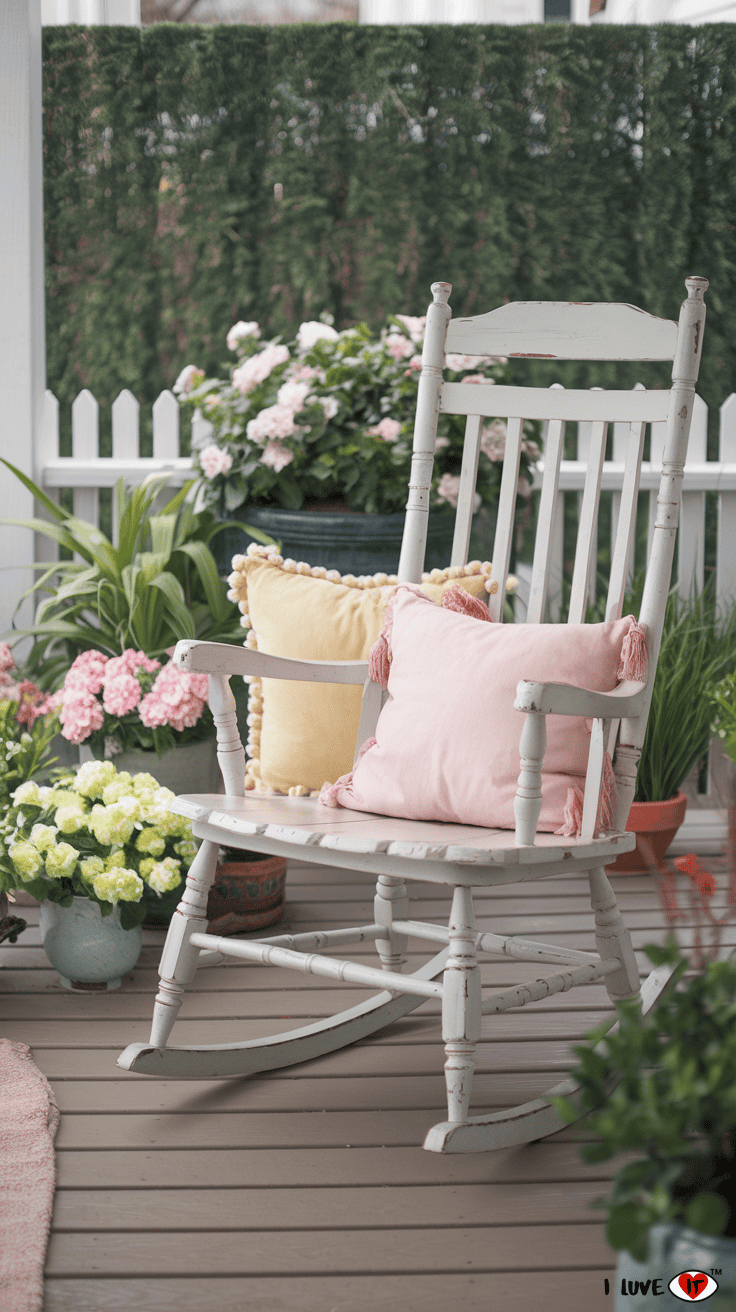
(301, 734)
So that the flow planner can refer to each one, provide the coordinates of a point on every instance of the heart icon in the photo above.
(692, 1283)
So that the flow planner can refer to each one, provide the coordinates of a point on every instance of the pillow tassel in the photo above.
(379, 657)
(572, 816)
(379, 661)
(459, 599)
(607, 801)
(634, 654)
(328, 793)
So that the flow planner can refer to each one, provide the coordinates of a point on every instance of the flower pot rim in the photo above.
(650, 817)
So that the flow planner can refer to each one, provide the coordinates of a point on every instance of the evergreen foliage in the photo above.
(199, 175)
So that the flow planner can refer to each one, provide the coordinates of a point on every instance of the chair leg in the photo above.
(461, 1005)
(391, 903)
(179, 959)
(613, 939)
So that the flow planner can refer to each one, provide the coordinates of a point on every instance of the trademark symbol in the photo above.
(715, 1270)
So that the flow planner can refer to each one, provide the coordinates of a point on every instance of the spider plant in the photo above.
(697, 650)
(157, 585)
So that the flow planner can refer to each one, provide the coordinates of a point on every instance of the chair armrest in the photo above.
(625, 701)
(219, 658)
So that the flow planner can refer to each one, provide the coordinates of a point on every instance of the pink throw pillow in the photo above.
(447, 740)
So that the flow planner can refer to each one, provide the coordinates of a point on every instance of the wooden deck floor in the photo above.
(308, 1190)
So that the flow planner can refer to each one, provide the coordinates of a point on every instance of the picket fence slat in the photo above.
(726, 538)
(166, 427)
(85, 445)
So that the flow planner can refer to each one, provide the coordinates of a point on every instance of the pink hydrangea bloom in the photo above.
(273, 421)
(258, 367)
(276, 456)
(87, 672)
(448, 489)
(307, 371)
(240, 330)
(330, 405)
(122, 693)
(176, 698)
(189, 377)
(415, 365)
(6, 658)
(214, 461)
(293, 394)
(399, 346)
(388, 429)
(314, 331)
(459, 362)
(493, 440)
(414, 326)
(81, 714)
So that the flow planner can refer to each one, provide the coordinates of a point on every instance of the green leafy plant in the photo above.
(329, 417)
(96, 833)
(673, 1105)
(157, 585)
(724, 709)
(696, 650)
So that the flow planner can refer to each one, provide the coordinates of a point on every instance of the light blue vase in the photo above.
(92, 953)
(674, 1248)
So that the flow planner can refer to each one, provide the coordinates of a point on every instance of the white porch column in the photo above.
(22, 333)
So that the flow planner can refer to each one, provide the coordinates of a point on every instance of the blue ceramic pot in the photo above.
(91, 952)
(348, 541)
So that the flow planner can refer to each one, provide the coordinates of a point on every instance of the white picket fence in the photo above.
(85, 472)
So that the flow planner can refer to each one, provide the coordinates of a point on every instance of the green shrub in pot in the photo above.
(698, 644)
(665, 1090)
(157, 585)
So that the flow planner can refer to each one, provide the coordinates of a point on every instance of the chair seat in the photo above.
(301, 822)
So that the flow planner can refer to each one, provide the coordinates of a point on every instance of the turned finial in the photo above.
(696, 287)
(441, 292)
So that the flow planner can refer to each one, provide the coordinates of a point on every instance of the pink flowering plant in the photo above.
(119, 703)
(329, 417)
(29, 721)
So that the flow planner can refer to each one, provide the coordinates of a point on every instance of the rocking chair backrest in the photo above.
(562, 331)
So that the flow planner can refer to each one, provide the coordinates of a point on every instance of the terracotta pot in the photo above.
(246, 895)
(655, 825)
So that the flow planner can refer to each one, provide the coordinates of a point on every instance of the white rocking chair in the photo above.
(460, 856)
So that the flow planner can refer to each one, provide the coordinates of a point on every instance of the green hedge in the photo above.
(544, 162)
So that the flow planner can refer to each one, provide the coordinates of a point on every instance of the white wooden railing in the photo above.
(85, 472)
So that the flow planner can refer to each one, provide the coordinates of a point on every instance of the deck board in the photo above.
(307, 1190)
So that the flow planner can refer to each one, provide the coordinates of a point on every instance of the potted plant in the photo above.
(665, 1088)
(157, 585)
(29, 723)
(315, 437)
(136, 709)
(98, 848)
(247, 893)
(697, 648)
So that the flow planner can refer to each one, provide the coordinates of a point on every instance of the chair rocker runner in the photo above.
(397, 850)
